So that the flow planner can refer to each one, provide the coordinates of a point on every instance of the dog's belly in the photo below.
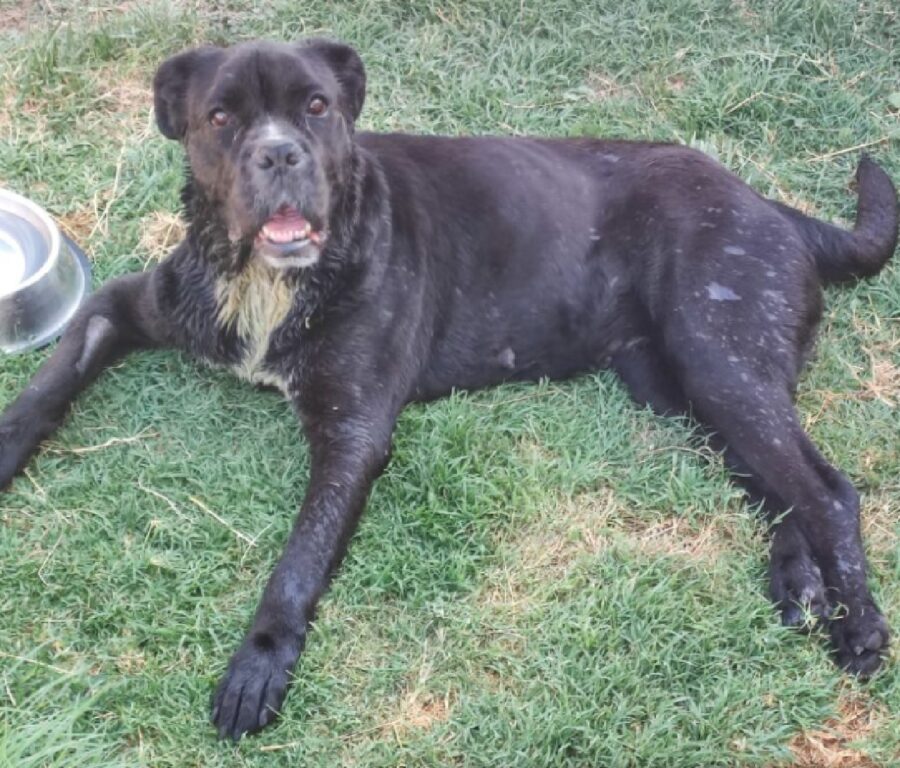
(569, 325)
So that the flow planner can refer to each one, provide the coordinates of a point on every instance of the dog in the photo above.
(357, 272)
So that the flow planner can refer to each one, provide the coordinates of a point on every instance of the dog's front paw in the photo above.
(16, 444)
(252, 690)
(860, 636)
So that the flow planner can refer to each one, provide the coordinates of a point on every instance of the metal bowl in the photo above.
(44, 276)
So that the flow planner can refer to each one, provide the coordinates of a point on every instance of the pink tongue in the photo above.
(286, 221)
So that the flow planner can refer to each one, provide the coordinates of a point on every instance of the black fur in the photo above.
(461, 263)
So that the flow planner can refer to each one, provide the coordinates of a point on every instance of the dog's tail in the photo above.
(841, 255)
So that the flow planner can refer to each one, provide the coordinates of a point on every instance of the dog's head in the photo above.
(268, 130)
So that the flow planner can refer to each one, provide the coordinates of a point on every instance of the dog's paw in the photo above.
(251, 692)
(15, 447)
(860, 636)
(798, 590)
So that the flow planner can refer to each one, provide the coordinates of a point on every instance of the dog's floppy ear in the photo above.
(347, 67)
(170, 87)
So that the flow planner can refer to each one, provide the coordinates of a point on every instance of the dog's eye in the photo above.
(218, 118)
(317, 106)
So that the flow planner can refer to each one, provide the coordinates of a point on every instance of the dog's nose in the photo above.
(277, 154)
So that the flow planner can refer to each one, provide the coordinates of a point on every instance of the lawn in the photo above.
(546, 575)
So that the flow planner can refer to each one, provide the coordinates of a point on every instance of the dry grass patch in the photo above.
(880, 514)
(547, 550)
(676, 83)
(78, 224)
(16, 16)
(882, 382)
(745, 13)
(831, 747)
(26, 117)
(128, 97)
(603, 87)
(418, 712)
(161, 231)
(552, 544)
(127, 92)
(674, 537)
(131, 662)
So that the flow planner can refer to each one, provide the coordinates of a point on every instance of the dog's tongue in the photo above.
(287, 225)
(285, 220)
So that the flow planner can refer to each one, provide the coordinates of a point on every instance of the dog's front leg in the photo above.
(347, 454)
(121, 316)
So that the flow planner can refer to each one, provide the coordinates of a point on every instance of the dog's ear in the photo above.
(171, 83)
(347, 67)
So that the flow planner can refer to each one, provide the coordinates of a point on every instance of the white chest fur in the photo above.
(255, 302)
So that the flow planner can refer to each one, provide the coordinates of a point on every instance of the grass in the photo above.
(546, 575)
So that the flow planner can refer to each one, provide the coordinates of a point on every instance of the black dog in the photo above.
(357, 273)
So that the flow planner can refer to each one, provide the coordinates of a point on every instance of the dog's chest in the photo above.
(254, 304)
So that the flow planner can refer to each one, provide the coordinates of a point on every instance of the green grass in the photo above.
(546, 575)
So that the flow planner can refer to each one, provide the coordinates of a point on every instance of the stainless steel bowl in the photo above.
(44, 276)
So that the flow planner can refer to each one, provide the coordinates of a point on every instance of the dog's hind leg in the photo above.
(120, 317)
(649, 378)
(796, 581)
(817, 552)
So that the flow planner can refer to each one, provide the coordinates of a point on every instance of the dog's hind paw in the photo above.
(251, 692)
(798, 590)
(860, 636)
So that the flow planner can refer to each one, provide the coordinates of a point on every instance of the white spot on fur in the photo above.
(734, 250)
(507, 358)
(271, 131)
(721, 293)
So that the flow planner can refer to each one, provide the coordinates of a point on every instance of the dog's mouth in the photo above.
(288, 231)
